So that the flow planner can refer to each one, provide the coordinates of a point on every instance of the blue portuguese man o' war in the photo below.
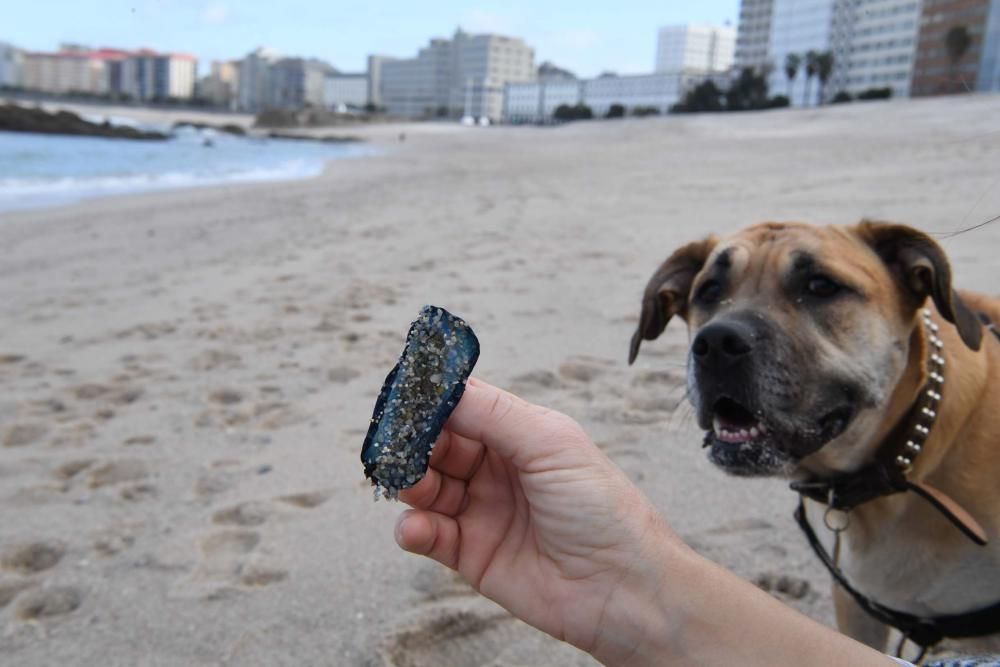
(416, 400)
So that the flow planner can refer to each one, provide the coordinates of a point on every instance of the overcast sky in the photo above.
(587, 37)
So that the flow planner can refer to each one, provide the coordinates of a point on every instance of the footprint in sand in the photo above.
(116, 472)
(137, 492)
(342, 374)
(437, 582)
(308, 500)
(469, 631)
(654, 402)
(10, 590)
(213, 482)
(740, 526)
(211, 360)
(230, 560)
(71, 469)
(27, 433)
(540, 378)
(258, 575)
(90, 391)
(142, 440)
(448, 637)
(660, 378)
(244, 514)
(225, 396)
(229, 543)
(584, 369)
(781, 585)
(48, 602)
(32, 557)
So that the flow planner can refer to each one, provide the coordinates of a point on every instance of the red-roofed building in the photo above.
(142, 75)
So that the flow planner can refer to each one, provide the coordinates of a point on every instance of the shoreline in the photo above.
(18, 194)
(186, 377)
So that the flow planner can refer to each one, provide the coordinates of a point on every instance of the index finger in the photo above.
(498, 419)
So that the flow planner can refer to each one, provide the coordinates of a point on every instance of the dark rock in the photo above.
(14, 118)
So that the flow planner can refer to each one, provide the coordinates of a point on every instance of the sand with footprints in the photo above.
(186, 377)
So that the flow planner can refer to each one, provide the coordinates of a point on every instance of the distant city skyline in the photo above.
(585, 37)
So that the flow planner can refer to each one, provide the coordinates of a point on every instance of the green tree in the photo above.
(747, 92)
(824, 68)
(957, 42)
(792, 63)
(615, 111)
(706, 96)
(811, 67)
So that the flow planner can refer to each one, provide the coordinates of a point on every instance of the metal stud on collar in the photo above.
(931, 397)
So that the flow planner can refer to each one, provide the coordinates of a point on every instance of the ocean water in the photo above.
(38, 170)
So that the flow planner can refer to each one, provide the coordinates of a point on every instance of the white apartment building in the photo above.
(537, 101)
(465, 75)
(375, 78)
(345, 89)
(988, 77)
(876, 45)
(147, 75)
(873, 43)
(753, 34)
(66, 72)
(699, 48)
(11, 65)
(255, 78)
(221, 86)
(798, 26)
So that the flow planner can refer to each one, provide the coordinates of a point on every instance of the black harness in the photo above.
(881, 479)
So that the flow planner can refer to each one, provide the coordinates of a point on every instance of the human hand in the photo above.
(534, 516)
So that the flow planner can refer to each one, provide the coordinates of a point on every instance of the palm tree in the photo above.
(824, 68)
(957, 42)
(811, 67)
(792, 62)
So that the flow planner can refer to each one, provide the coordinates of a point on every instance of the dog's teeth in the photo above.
(754, 432)
(743, 434)
(717, 425)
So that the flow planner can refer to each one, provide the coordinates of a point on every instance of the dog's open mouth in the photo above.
(734, 424)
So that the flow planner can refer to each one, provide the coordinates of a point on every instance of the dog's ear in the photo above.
(667, 291)
(922, 268)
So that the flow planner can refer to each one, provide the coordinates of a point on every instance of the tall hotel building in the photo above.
(940, 69)
(464, 75)
(873, 43)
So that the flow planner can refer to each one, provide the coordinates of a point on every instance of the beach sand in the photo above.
(186, 377)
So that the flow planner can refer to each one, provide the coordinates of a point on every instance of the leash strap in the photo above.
(989, 324)
(923, 631)
(951, 510)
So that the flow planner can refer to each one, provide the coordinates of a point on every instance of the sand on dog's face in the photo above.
(823, 366)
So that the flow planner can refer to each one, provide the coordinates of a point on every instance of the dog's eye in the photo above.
(709, 293)
(822, 287)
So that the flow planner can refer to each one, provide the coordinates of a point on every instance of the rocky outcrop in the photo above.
(228, 128)
(14, 118)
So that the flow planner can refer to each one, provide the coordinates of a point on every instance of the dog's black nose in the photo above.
(722, 344)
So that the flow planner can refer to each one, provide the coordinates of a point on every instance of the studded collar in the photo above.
(887, 475)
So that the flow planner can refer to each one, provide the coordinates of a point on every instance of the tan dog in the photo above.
(809, 351)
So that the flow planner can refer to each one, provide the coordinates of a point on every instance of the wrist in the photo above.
(641, 619)
(676, 607)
